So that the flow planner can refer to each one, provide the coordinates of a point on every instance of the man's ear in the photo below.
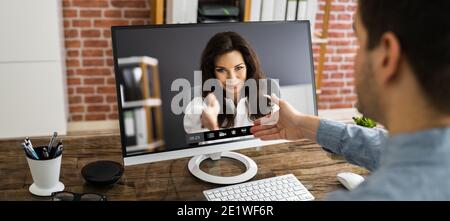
(388, 57)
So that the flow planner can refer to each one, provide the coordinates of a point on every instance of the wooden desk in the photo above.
(168, 180)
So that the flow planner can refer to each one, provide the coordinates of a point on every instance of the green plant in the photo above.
(365, 122)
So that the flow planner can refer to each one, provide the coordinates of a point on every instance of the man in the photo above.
(402, 78)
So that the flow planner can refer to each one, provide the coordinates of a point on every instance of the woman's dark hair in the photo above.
(423, 30)
(222, 43)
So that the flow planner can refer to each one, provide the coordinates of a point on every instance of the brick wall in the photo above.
(337, 79)
(89, 62)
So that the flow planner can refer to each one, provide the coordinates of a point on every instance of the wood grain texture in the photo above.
(168, 180)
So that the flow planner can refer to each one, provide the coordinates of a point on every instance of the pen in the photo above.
(50, 144)
(28, 142)
(31, 150)
(45, 153)
(59, 151)
(27, 152)
(55, 150)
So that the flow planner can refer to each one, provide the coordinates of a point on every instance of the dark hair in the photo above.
(220, 44)
(423, 30)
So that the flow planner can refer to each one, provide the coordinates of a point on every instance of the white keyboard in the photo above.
(280, 188)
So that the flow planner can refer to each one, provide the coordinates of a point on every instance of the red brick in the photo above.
(336, 59)
(70, 90)
(72, 43)
(85, 90)
(337, 76)
(76, 117)
(113, 116)
(95, 43)
(94, 72)
(346, 50)
(128, 4)
(70, 72)
(350, 98)
(71, 33)
(70, 13)
(347, 17)
(72, 63)
(330, 67)
(73, 81)
(351, 8)
(93, 62)
(81, 23)
(99, 108)
(74, 100)
(109, 52)
(72, 53)
(91, 117)
(332, 84)
(138, 22)
(66, 23)
(346, 91)
(323, 98)
(90, 33)
(334, 34)
(107, 33)
(93, 99)
(92, 53)
(106, 90)
(111, 80)
(94, 81)
(90, 13)
(111, 99)
(337, 7)
(109, 23)
(112, 13)
(76, 109)
(329, 92)
(66, 3)
(109, 62)
(137, 14)
(90, 3)
(340, 105)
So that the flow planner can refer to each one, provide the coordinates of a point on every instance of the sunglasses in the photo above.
(70, 196)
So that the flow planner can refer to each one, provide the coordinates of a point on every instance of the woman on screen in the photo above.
(229, 60)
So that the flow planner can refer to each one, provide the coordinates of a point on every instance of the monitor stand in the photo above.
(194, 168)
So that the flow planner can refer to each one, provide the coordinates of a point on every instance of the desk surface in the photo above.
(168, 180)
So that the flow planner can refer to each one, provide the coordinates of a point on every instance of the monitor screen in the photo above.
(197, 85)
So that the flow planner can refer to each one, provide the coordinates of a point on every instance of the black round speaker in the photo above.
(102, 172)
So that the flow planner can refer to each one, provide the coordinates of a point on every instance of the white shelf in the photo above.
(151, 102)
(148, 147)
(343, 115)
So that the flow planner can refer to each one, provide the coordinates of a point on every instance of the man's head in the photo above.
(404, 49)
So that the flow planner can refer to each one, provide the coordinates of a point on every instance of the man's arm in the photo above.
(358, 145)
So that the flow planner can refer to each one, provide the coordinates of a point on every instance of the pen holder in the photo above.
(45, 173)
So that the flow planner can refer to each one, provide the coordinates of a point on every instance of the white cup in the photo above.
(45, 173)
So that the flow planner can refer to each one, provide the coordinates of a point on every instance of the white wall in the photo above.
(33, 100)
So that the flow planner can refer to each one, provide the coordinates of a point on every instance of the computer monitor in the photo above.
(182, 89)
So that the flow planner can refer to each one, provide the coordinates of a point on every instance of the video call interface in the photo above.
(185, 86)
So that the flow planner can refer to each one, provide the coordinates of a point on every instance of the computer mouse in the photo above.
(350, 180)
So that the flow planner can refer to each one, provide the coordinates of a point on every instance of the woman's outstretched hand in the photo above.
(210, 113)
